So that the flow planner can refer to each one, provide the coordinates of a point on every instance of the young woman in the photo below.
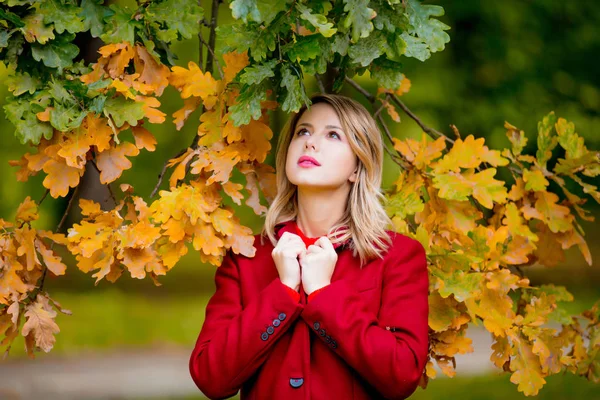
(333, 305)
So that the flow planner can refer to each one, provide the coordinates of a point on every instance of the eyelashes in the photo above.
(334, 132)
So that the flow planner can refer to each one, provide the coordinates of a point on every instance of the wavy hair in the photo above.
(364, 221)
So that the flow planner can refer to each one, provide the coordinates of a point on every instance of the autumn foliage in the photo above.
(480, 232)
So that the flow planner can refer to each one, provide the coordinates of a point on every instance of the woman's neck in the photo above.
(318, 211)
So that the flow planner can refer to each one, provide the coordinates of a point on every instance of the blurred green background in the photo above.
(507, 61)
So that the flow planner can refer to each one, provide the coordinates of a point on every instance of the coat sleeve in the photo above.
(235, 341)
(388, 350)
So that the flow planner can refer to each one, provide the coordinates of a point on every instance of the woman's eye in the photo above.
(301, 130)
(335, 133)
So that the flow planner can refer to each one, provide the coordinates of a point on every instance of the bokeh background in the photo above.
(512, 61)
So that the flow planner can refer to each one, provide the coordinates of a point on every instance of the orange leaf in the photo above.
(113, 162)
(152, 73)
(181, 115)
(61, 177)
(143, 138)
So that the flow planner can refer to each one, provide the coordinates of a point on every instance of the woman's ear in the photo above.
(354, 176)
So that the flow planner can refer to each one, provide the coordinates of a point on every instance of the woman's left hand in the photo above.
(318, 262)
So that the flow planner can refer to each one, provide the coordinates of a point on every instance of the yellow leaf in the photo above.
(420, 153)
(469, 153)
(51, 260)
(233, 190)
(526, 367)
(221, 220)
(27, 211)
(205, 239)
(193, 82)
(534, 180)
(40, 323)
(151, 111)
(234, 63)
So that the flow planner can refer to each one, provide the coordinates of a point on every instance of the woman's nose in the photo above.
(310, 142)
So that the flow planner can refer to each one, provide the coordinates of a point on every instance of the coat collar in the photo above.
(290, 226)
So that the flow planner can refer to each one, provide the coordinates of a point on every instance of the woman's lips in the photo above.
(307, 164)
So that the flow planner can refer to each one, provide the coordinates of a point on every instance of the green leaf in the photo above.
(122, 110)
(366, 50)
(404, 203)
(66, 117)
(58, 53)
(248, 104)
(65, 17)
(30, 129)
(245, 9)
(429, 30)
(317, 20)
(546, 139)
(305, 48)
(22, 83)
(359, 17)
(93, 14)
(11, 17)
(387, 73)
(295, 95)
(257, 73)
(179, 16)
(36, 30)
(340, 44)
(388, 18)
(415, 47)
(120, 26)
(59, 93)
(569, 140)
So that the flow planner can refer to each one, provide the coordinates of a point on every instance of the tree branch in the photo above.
(417, 120)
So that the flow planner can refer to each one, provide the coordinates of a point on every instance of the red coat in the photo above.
(364, 336)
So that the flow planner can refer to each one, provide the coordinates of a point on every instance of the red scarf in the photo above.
(307, 241)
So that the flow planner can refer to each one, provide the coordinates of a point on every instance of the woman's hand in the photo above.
(285, 255)
(318, 263)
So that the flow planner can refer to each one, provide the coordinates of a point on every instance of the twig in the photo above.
(320, 83)
(213, 35)
(44, 196)
(58, 228)
(417, 120)
(365, 93)
(162, 173)
(213, 55)
(112, 195)
(201, 41)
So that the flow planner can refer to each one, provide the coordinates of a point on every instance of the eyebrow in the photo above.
(326, 126)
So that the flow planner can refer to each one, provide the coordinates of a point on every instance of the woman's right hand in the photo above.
(285, 255)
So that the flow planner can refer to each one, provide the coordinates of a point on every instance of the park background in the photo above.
(506, 61)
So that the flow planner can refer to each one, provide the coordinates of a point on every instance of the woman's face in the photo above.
(318, 134)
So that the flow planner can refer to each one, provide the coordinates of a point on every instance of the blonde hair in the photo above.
(364, 220)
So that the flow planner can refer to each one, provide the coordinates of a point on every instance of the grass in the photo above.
(111, 318)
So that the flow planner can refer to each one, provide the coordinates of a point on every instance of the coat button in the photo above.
(333, 344)
(327, 339)
(296, 382)
(276, 322)
(264, 336)
(281, 316)
(270, 330)
(322, 332)
(316, 325)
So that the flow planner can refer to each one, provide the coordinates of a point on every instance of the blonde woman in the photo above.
(333, 305)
